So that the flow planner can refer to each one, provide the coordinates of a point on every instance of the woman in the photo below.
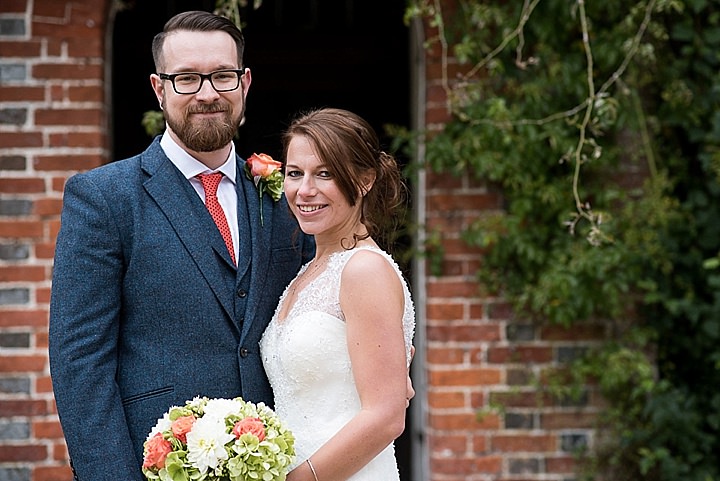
(338, 347)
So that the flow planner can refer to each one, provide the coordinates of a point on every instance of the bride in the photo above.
(339, 345)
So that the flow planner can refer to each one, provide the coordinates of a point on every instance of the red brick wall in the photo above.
(53, 122)
(487, 418)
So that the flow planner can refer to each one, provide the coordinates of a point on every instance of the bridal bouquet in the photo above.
(218, 439)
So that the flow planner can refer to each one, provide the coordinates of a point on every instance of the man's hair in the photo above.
(196, 21)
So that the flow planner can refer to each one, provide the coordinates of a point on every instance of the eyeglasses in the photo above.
(187, 83)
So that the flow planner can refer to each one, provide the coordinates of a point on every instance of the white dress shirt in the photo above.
(190, 167)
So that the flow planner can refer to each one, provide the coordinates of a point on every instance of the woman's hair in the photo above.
(197, 21)
(350, 150)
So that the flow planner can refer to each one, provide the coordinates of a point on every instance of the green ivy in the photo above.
(563, 104)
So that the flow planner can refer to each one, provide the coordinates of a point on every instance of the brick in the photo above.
(446, 400)
(462, 466)
(67, 162)
(463, 333)
(68, 117)
(449, 445)
(21, 93)
(573, 442)
(62, 33)
(14, 6)
(452, 290)
(85, 47)
(518, 466)
(516, 354)
(22, 186)
(566, 354)
(23, 273)
(14, 339)
(14, 385)
(21, 139)
(440, 181)
(560, 464)
(85, 94)
(23, 453)
(13, 72)
(43, 384)
(464, 377)
(22, 363)
(23, 317)
(14, 430)
(58, 184)
(445, 355)
(577, 332)
(59, 453)
(567, 420)
(47, 207)
(12, 473)
(66, 71)
(21, 229)
(45, 250)
(77, 139)
(23, 407)
(57, 93)
(13, 116)
(518, 420)
(518, 377)
(445, 311)
(15, 207)
(527, 399)
(12, 162)
(12, 27)
(52, 473)
(530, 443)
(463, 422)
(41, 340)
(9, 49)
(17, 295)
(520, 332)
(47, 429)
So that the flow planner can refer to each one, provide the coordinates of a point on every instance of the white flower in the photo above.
(163, 424)
(206, 443)
(221, 408)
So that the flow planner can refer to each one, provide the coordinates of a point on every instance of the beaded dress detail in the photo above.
(307, 361)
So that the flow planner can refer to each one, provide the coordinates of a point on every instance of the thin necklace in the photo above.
(302, 280)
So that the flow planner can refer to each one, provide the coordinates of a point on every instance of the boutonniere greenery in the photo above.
(265, 173)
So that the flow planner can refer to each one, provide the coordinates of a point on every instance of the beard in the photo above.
(205, 135)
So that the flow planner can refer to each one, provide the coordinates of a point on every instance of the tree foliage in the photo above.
(599, 122)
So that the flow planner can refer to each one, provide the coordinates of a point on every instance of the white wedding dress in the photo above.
(307, 361)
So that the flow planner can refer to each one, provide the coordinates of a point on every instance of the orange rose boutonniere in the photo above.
(265, 172)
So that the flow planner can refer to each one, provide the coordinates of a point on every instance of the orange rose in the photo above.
(250, 425)
(181, 426)
(263, 165)
(156, 450)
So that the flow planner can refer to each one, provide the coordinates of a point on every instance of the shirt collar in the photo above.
(189, 165)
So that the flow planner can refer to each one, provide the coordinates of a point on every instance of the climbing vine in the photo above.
(599, 123)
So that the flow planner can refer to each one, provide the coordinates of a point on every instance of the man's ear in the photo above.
(158, 87)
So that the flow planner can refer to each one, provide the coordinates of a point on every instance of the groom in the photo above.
(151, 305)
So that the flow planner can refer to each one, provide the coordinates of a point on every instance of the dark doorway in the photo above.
(303, 54)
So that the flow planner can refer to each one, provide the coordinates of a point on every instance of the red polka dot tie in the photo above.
(210, 183)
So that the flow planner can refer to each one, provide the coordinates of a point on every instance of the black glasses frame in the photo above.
(203, 77)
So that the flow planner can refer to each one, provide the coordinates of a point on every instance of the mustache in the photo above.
(207, 108)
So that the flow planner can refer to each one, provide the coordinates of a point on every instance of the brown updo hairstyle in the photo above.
(350, 149)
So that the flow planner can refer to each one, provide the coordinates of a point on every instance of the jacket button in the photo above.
(244, 352)
(241, 293)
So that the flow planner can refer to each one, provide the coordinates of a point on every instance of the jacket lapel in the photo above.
(257, 248)
(189, 218)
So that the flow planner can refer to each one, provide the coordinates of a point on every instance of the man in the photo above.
(151, 306)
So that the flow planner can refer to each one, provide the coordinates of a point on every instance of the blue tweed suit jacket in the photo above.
(147, 309)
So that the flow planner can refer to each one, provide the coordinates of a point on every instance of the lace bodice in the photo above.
(307, 361)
